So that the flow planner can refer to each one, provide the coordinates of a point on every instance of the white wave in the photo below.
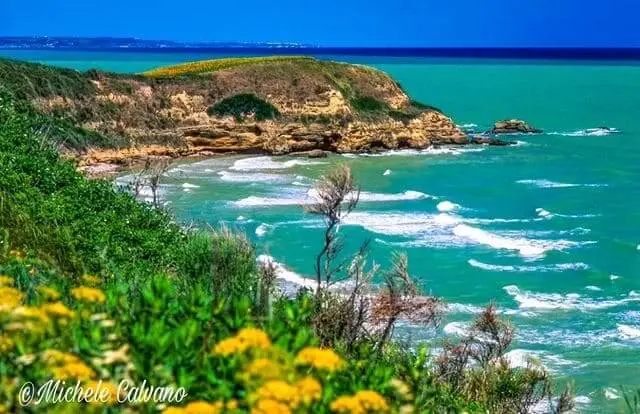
(589, 132)
(638, 247)
(543, 183)
(467, 126)
(311, 197)
(285, 274)
(628, 331)
(445, 206)
(582, 400)
(464, 308)
(543, 213)
(263, 229)
(523, 358)
(386, 172)
(349, 155)
(459, 329)
(593, 288)
(556, 301)
(614, 277)
(560, 267)
(611, 393)
(268, 163)
(403, 224)
(188, 185)
(523, 246)
(241, 218)
(253, 177)
(426, 151)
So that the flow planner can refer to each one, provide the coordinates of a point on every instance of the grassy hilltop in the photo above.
(95, 286)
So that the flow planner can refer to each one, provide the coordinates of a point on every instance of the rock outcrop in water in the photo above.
(513, 126)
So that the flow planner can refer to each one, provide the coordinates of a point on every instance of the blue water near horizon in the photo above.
(548, 229)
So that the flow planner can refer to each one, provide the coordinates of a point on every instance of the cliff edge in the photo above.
(274, 105)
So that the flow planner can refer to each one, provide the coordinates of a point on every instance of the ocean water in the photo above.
(548, 229)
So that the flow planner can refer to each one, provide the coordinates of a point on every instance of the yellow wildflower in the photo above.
(263, 368)
(402, 388)
(18, 254)
(55, 357)
(49, 293)
(30, 313)
(6, 344)
(201, 407)
(88, 294)
(105, 392)
(247, 338)
(310, 389)
(232, 405)
(6, 280)
(91, 280)
(280, 391)
(57, 310)
(360, 403)
(270, 407)
(10, 298)
(75, 370)
(320, 358)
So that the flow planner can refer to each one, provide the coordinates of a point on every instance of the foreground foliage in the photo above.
(98, 288)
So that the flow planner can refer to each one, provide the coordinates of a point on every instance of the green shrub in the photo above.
(242, 105)
(368, 104)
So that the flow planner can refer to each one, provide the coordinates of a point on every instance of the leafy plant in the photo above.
(240, 106)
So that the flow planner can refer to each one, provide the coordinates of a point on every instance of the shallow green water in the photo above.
(549, 229)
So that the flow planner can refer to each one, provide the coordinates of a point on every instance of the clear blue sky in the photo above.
(453, 23)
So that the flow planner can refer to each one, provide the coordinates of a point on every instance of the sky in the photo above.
(400, 23)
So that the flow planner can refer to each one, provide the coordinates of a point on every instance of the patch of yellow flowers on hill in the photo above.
(204, 66)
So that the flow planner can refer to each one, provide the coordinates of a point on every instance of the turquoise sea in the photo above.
(548, 229)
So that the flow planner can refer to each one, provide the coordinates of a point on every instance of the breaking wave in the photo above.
(571, 301)
(268, 163)
(560, 267)
(310, 197)
(589, 132)
(543, 183)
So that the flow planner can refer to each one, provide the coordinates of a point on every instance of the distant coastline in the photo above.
(161, 46)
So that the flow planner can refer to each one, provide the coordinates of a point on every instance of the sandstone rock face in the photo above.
(513, 126)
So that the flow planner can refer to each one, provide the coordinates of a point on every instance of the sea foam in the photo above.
(557, 301)
(560, 267)
(268, 163)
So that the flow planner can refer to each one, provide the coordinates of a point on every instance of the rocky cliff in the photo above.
(276, 107)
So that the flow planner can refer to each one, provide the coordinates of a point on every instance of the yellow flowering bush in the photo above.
(6, 281)
(360, 403)
(74, 370)
(247, 338)
(57, 310)
(48, 293)
(320, 358)
(103, 389)
(197, 407)
(204, 66)
(88, 294)
(310, 389)
(10, 298)
(91, 280)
